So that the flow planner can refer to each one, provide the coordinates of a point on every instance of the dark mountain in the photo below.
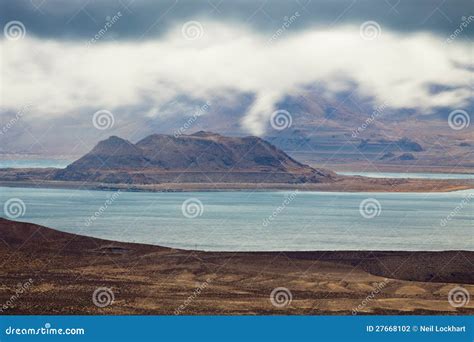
(199, 157)
(113, 153)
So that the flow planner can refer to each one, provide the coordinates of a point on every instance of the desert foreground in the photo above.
(45, 271)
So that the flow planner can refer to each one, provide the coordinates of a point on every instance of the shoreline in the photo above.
(66, 269)
(341, 184)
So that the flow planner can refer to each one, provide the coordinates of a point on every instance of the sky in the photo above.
(136, 62)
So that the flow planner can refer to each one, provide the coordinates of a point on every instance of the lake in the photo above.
(255, 221)
(417, 175)
(34, 163)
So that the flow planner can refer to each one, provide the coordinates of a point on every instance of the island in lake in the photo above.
(205, 161)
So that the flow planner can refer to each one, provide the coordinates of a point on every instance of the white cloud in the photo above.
(60, 78)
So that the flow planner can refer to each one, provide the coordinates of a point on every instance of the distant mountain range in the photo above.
(337, 130)
(202, 157)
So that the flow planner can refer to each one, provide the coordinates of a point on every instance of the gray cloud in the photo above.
(147, 19)
(63, 77)
(143, 70)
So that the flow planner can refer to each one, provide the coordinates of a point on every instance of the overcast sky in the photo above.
(69, 59)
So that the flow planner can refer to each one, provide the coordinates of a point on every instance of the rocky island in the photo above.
(204, 161)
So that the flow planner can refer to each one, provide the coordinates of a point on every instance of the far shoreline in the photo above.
(341, 184)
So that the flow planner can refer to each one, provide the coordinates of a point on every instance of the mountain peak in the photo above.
(205, 134)
(114, 145)
(198, 157)
(114, 138)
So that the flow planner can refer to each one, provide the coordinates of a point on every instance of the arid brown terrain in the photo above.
(63, 271)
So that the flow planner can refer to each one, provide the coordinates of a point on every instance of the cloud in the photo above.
(148, 19)
(65, 78)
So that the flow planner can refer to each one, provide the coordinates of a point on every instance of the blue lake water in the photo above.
(34, 163)
(257, 221)
(417, 175)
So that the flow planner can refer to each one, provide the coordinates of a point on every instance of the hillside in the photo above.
(202, 157)
(157, 280)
